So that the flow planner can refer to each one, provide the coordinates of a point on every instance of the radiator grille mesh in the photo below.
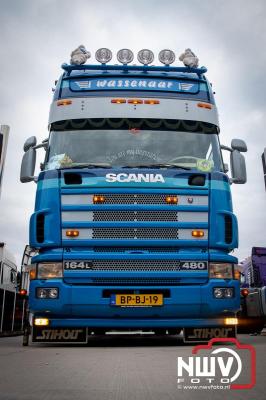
(135, 265)
(135, 233)
(137, 216)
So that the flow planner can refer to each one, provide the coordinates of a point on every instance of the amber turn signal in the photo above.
(98, 198)
(72, 233)
(197, 233)
(171, 199)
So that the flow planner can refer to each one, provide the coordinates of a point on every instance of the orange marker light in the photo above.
(118, 101)
(23, 292)
(197, 233)
(237, 274)
(72, 233)
(205, 105)
(152, 101)
(135, 101)
(32, 273)
(244, 292)
(171, 200)
(64, 102)
(98, 198)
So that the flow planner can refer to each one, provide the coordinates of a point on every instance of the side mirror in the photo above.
(240, 145)
(30, 142)
(28, 166)
(238, 167)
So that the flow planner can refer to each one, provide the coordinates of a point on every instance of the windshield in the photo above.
(134, 143)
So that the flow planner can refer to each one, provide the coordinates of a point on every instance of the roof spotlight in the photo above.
(145, 56)
(103, 55)
(166, 57)
(125, 56)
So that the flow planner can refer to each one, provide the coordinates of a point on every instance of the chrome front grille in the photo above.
(135, 265)
(135, 233)
(137, 216)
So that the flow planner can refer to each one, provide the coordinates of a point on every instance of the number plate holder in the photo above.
(136, 300)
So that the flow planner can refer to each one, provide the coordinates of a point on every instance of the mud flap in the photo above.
(44, 334)
(195, 335)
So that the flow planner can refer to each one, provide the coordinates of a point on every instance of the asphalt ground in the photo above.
(121, 367)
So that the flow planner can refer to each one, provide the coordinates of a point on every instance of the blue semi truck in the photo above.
(133, 218)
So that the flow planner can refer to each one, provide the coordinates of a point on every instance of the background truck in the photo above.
(133, 217)
(12, 302)
(4, 133)
(253, 292)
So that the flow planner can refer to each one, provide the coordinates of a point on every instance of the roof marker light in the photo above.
(205, 105)
(125, 56)
(118, 101)
(135, 101)
(103, 55)
(151, 101)
(166, 57)
(145, 56)
(64, 102)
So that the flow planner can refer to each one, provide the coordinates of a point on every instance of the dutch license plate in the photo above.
(137, 300)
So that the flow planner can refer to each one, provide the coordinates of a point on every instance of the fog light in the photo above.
(125, 56)
(218, 293)
(145, 56)
(41, 321)
(103, 55)
(42, 293)
(166, 57)
(53, 293)
(47, 293)
(231, 321)
(228, 293)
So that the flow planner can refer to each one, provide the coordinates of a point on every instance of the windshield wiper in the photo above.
(157, 166)
(89, 165)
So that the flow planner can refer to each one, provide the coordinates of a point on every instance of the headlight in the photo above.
(50, 270)
(47, 293)
(221, 270)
